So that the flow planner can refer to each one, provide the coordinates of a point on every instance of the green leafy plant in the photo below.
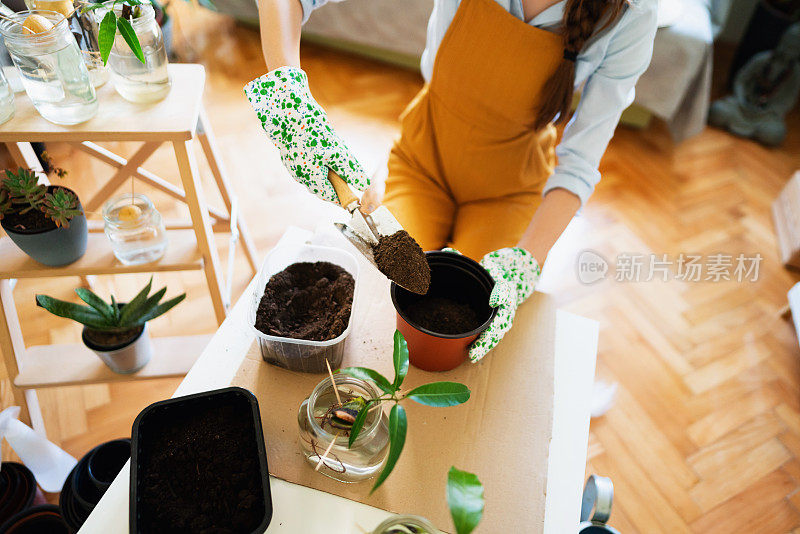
(111, 23)
(352, 415)
(21, 192)
(104, 317)
(465, 499)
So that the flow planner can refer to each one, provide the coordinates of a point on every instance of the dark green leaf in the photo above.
(400, 357)
(96, 302)
(161, 309)
(440, 394)
(115, 309)
(398, 424)
(364, 373)
(358, 424)
(106, 33)
(133, 308)
(77, 312)
(126, 30)
(465, 499)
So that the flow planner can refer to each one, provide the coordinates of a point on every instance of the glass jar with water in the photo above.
(6, 99)
(135, 229)
(347, 464)
(51, 68)
(136, 81)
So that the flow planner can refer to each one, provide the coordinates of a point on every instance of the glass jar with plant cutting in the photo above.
(116, 332)
(338, 422)
(135, 229)
(132, 44)
(45, 222)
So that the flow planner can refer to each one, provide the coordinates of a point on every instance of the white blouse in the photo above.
(607, 69)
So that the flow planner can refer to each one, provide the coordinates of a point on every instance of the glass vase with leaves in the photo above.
(132, 45)
(351, 414)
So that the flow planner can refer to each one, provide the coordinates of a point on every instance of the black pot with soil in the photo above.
(198, 464)
(40, 238)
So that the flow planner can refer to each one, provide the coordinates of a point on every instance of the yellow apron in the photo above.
(469, 168)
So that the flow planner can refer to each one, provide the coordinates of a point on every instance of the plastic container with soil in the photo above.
(456, 278)
(300, 354)
(198, 464)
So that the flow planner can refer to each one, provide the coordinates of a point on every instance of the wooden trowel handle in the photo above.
(343, 191)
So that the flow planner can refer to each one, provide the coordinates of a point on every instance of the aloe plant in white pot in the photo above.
(116, 332)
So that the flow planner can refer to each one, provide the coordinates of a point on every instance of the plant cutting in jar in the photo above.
(111, 327)
(111, 23)
(349, 416)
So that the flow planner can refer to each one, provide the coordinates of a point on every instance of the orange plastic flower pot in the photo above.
(455, 277)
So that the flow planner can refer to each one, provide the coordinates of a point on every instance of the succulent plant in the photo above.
(60, 206)
(5, 202)
(114, 317)
(24, 189)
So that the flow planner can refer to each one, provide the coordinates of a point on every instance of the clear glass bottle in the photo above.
(406, 524)
(136, 81)
(135, 229)
(84, 28)
(51, 68)
(365, 459)
(6, 99)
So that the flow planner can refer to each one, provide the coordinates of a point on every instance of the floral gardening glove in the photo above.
(515, 272)
(299, 128)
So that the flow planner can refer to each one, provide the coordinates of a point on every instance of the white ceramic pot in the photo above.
(127, 358)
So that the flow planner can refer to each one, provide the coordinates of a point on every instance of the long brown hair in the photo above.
(581, 18)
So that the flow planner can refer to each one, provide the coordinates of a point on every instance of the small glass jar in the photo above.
(6, 99)
(365, 459)
(406, 524)
(51, 68)
(136, 81)
(135, 229)
(84, 28)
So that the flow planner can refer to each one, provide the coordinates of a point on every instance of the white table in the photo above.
(298, 509)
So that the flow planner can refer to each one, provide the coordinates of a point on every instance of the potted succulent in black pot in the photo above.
(116, 332)
(46, 222)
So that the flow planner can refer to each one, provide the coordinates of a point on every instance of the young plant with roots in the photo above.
(350, 415)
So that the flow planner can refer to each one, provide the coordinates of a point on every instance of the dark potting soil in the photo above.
(112, 339)
(443, 315)
(310, 301)
(402, 260)
(201, 474)
(30, 222)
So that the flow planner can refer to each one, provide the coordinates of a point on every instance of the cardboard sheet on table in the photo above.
(502, 433)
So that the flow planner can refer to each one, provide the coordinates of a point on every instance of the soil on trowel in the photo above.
(310, 301)
(402, 260)
(201, 474)
(443, 315)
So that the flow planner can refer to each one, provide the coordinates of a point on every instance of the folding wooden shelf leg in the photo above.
(209, 143)
(122, 174)
(13, 347)
(198, 209)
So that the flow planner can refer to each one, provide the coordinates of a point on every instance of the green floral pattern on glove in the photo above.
(300, 129)
(515, 272)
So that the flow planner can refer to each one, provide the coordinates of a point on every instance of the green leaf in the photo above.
(398, 424)
(96, 302)
(363, 373)
(440, 394)
(358, 424)
(77, 312)
(133, 308)
(465, 499)
(115, 309)
(126, 30)
(400, 357)
(161, 309)
(105, 35)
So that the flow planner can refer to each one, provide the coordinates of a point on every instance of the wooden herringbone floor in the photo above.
(705, 434)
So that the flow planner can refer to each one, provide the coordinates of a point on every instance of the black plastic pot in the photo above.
(186, 439)
(44, 519)
(18, 490)
(763, 33)
(55, 246)
(106, 461)
(455, 277)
